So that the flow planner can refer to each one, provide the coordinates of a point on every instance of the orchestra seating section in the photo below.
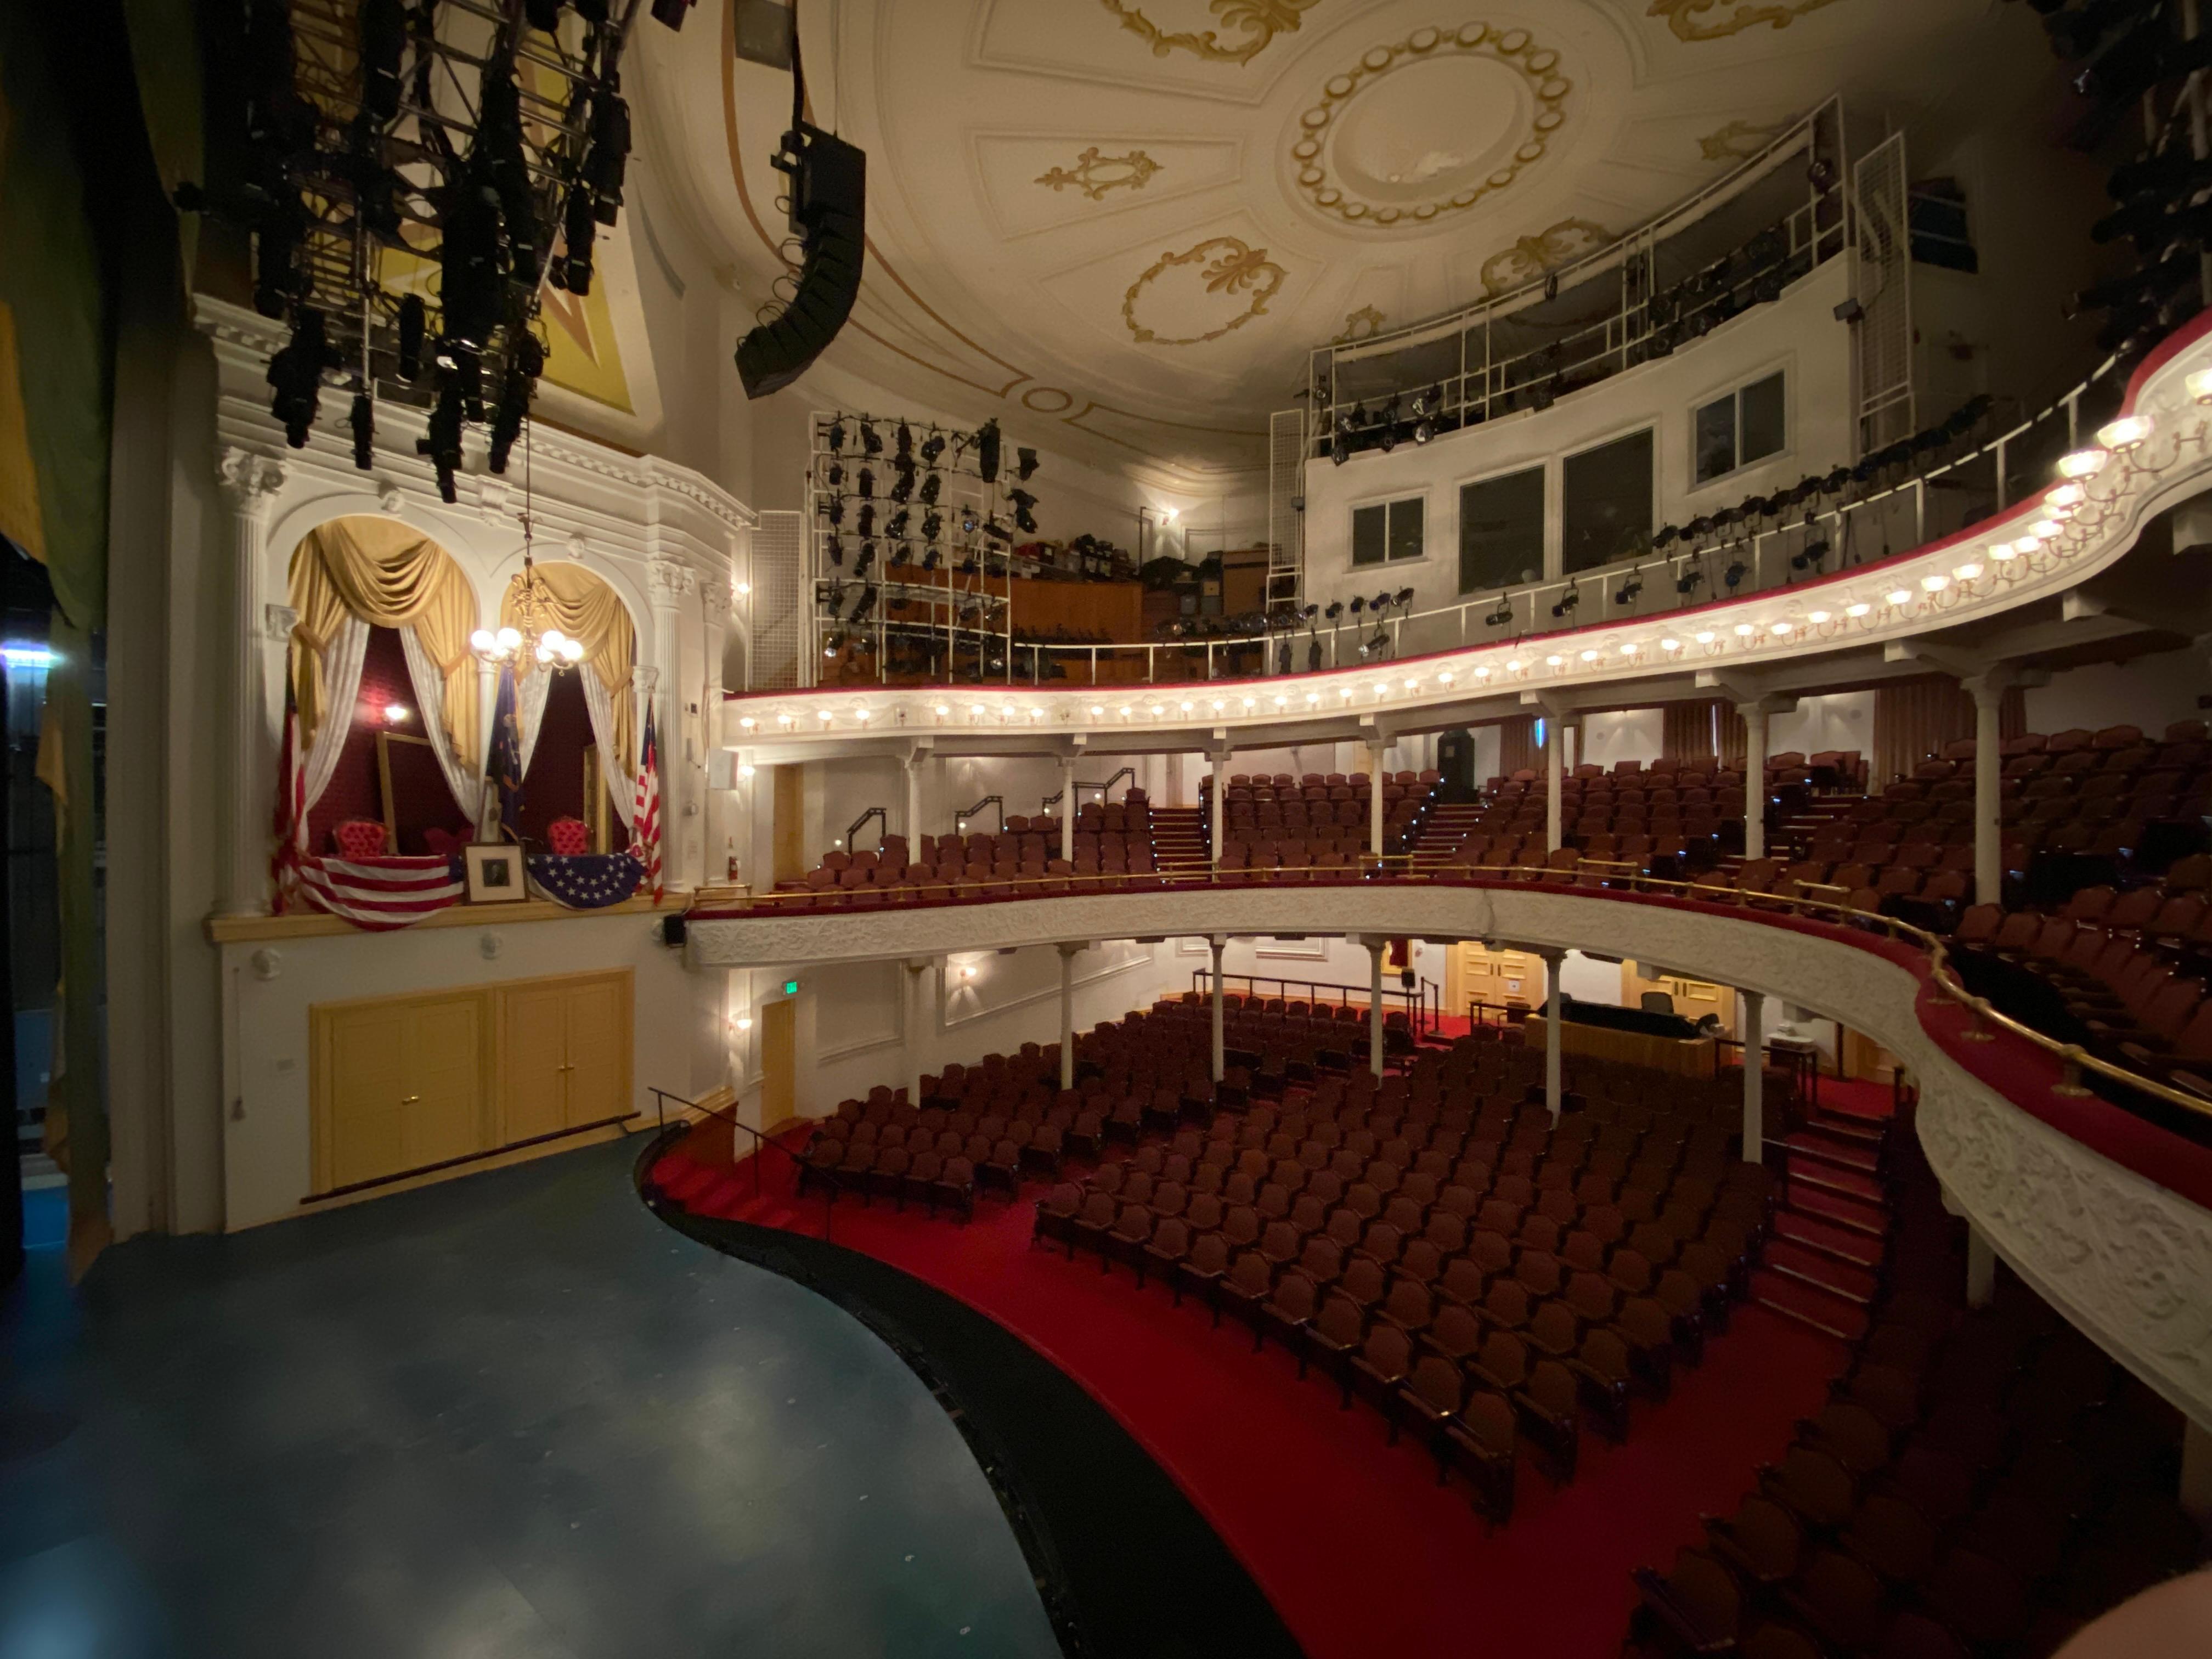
(1979, 1484)
(1319, 821)
(1113, 847)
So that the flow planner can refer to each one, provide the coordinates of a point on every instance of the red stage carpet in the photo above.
(1353, 1541)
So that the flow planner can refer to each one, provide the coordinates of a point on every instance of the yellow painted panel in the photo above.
(779, 1062)
(361, 1055)
(599, 1049)
(532, 1077)
(446, 1115)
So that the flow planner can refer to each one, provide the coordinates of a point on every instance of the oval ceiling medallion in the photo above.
(1231, 275)
(1429, 126)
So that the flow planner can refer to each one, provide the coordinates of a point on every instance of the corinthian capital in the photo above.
(250, 480)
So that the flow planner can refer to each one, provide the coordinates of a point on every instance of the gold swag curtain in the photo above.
(388, 575)
(582, 606)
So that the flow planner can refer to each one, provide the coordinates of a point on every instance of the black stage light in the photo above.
(363, 419)
(867, 483)
(837, 434)
(834, 509)
(1021, 498)
(968, 521)
(1665, 536)
(867, 519)
(413, 324)
(1389, 439)
(1809, 556)
(998, 531)
(1424, 429)
(932, 447)
(930, 526)
(871, 441)
(867, 558)
(1025, 465)
(1380, 602)
(896, 528)
(1626, 592)
(987, 452)
(1405, 596)
(836, 475)
(1500, 617)
(930, 487)
(1339, 451)
(295, 374)
(932, 559)
(1335, 611)
(836, 550)
(1355, 606)
(1026, 521)
(905, 442)
(1734, 574)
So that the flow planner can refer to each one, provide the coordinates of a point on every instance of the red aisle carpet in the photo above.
(1361, 1552)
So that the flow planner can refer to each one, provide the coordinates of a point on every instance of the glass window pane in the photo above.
(1501, 531)
(1715, 439)
(1762, 419)
(1406, 518)
(1367, 535)
(1606, 506)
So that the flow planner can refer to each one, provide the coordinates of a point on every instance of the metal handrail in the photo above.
(1400, 867)
(960, 819)
(1424, 1005)
(1057, 795)
(662, 1097)
(883, 819)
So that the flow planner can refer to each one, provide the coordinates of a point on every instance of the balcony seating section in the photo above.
(1113, 848)
(1320, 820)
(1673, 813)
(1979, 1486)
(1429, 1243)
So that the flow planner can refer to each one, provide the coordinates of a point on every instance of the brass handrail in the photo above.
(2072, 1056)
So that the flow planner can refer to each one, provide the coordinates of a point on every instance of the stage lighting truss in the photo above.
(412, 177)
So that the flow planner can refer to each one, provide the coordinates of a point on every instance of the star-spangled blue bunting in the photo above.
(587, 881)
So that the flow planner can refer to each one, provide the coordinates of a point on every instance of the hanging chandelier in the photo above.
(533, 636)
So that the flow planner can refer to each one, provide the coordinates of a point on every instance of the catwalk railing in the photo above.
(1423, 1002)
(2077, 1063)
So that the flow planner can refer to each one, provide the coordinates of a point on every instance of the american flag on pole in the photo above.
(291, 826)
(645, 819)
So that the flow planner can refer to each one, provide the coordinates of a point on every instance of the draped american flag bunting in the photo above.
(291, 826)
(381, 894)
(645, 819)
(583, 881)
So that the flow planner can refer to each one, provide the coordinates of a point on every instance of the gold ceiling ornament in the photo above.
(1516, 48)
(1095, 175)
(1687, 18)
(1261, 21)
(1549, 250)
(1739, 141)
(1364, 324)
(1235, 269)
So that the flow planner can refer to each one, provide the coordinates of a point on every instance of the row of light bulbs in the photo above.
(2121, 440)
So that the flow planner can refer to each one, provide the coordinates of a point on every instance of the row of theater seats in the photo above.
(1978, 1485)
(1323, 821)
(1465, 1267)
(1113, 841)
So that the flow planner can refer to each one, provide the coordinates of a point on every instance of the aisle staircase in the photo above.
(1441, 833)
(1828, 1249)
(1179, 842)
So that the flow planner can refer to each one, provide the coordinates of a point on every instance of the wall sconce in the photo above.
(394, 713)
(745, 1022)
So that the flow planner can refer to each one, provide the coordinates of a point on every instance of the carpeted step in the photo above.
(1846, 1244)
(1837, 1211)
(1841, 1154)
(1809, 1305)
(1849, 1131)
(1794, 1261)
(1839, 1104)
(1805, 1171)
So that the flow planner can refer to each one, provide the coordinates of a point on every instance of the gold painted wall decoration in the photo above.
(1516, 49)
(1234, 269)
(1549, 250)
(1739, 141)
(1687, 18)
(1364, 324)
(1260, 21)
(1095, 175)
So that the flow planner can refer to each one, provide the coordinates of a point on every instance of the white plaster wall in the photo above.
(1796, 333)
(679, 1039)
(1634, 734)
(1842, 720)
(2151, 692)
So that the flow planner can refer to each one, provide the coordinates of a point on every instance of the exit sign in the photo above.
(791, 988)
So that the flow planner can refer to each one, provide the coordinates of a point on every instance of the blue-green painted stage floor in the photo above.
(511, 1415)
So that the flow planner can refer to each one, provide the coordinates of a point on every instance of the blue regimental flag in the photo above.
(503, 767)
(586, 881)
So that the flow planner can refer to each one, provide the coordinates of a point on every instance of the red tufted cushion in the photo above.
(360, 838)
(569, 836)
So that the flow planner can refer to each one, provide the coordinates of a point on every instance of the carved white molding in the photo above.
(2127, 1261)
(250, 480)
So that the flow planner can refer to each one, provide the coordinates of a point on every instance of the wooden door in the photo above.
(779, 1063)
(362, 1059)
(533, 1076)
(790, 824)
(446, 1114)
(598, 1016)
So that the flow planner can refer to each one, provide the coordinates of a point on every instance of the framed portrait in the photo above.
(495, 871)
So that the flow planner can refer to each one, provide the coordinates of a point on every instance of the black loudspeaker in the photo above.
(672, 931)
(1455, 760)
(829, 192)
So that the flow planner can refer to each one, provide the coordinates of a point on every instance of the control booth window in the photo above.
(1604, 509)
(1501, 531)
(1388, 532)
(1747, 425)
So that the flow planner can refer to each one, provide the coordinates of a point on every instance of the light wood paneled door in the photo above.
(399, 1084)
(779, 1030)
(564, 1053)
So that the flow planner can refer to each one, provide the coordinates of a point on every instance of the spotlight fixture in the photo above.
(1626, 592)
(904, 441)
(1339, 451)
(871, 441)
(836, 550)
(903, 489)
(836, 434)
(1025, 465)
(987, 452)
(867, 517)
(867, 483)
(932, 447)
(1809, 557)
(932, 524)
(930, 487)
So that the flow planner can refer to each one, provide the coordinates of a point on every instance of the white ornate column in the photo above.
(1374, 949)
(251, 482)
(1377, 747)
(1217, 943)
(670, 584)
(1754, 778)
(1987, 692)
(1067, 820)
(1555, 772)
(1220, 760)
(719, 814)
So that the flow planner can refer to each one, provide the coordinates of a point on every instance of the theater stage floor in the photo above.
(510, 1415)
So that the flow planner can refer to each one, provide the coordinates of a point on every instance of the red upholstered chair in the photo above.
(567, 837)
(360, 838)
